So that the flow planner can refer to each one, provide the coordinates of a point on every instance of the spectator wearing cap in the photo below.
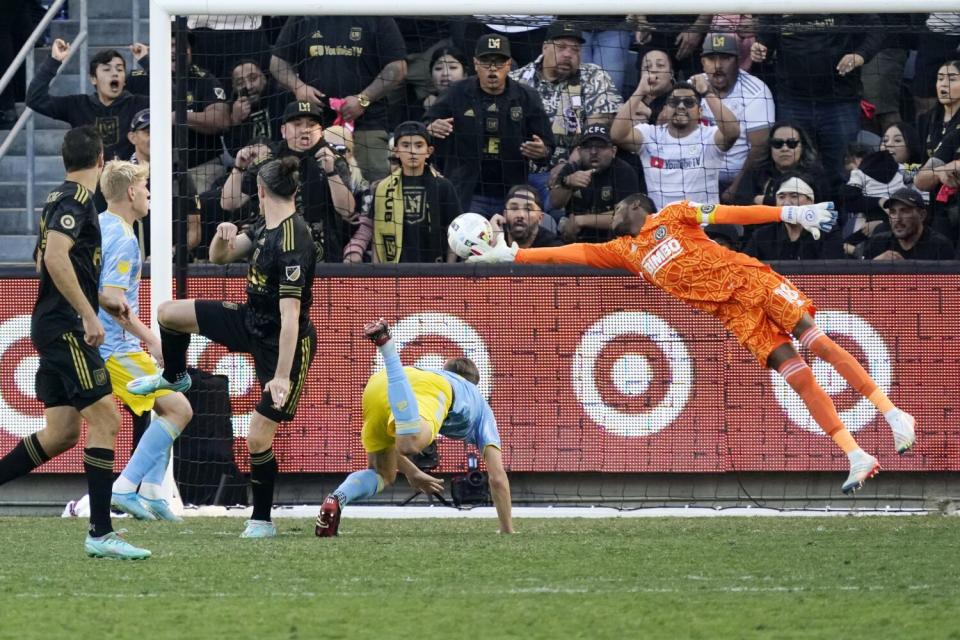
(324, 199)
(681, 159)
(490, 129)
(349, 63)
(817, 73)
(590, 185)
(187, 201)
(747, 97)
(521, 220)
(909, 238)
(785, 241)
(409, 211)
(574, 94)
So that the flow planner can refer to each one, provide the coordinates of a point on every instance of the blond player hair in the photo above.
(117, 177)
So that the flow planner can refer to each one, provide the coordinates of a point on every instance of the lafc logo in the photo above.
(493, 43)
(304, 107)
(356, 33)
(719, 41)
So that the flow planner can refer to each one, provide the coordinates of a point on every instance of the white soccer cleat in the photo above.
(902, 424)
(862, 466)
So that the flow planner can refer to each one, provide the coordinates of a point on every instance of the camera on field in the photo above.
(471, 488)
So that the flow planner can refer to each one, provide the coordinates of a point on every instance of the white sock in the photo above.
(890, 415)
(856, 454)
(122, 485)
(151, 491)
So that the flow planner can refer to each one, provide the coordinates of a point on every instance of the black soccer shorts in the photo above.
(223, 322)
(71, 373)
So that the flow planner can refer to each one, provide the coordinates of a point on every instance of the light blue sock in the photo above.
(359, 485)
(152, 448)
(403, 402)
(157, 472)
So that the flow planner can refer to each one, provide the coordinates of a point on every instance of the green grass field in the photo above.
(841, 577)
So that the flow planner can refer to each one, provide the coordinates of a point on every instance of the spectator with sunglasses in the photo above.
(790, 150)
(681, 159)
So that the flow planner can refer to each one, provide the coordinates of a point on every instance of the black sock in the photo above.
(263, 474)
(24, 458)
(175, 346)
(98, 464)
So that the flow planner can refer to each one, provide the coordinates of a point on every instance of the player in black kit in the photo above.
(273, 326)
(72, 381)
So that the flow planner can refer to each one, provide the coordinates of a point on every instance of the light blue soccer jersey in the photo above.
(470, 417)
(121, 269)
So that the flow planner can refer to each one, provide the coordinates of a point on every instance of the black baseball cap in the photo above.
(725, 43)
(141, 120)
(911, 197)
(302, 109)
(410, 128)
(560, 29)
(596, 132)
(493, 44)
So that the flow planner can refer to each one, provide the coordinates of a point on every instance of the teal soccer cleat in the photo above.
(259, 529)
(148, 384)
(160, 509)
(113, 546)
(130, 503)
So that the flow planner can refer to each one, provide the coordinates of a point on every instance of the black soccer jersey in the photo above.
(69, 210)
(112, 122)
(282, 266)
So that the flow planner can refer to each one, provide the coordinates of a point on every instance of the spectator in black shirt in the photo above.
(352, 63)
(324, 199)
(937, 124)
(490, 129)
(521, 218)
(110, 109)
(590, 185)
(786, 241)
(909, 237)
(408, 212)
(818, 81)
(256, 106)
(208, 113)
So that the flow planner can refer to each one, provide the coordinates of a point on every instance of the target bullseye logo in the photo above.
(12, 420)
(240, 371)
(449, 327)
(877, 363)
(632, 373)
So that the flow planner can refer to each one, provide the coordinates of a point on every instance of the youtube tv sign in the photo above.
(584, 373)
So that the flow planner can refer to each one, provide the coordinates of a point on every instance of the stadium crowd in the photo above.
(402, 124)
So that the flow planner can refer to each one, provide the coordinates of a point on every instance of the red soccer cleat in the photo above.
(328, 520)
(378, 332)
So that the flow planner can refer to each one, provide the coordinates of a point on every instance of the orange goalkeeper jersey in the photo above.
(672, 252)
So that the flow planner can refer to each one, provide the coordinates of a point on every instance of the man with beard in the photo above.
(590, 185)
(681, 159)
(747, 97)
(909, 237)
(256, 108)
(490, 128)
(110, 109)
(761, 308)
(574, 95)
(521, 218)
(208, 114)
(324, 197)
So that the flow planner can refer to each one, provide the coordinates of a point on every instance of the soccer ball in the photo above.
(466, 232)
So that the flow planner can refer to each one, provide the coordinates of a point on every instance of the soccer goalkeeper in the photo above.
(757, 305)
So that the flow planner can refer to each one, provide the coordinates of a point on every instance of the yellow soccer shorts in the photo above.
(125, 367)
(434, 398)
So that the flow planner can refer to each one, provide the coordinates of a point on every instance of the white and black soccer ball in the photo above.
(466, 232)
